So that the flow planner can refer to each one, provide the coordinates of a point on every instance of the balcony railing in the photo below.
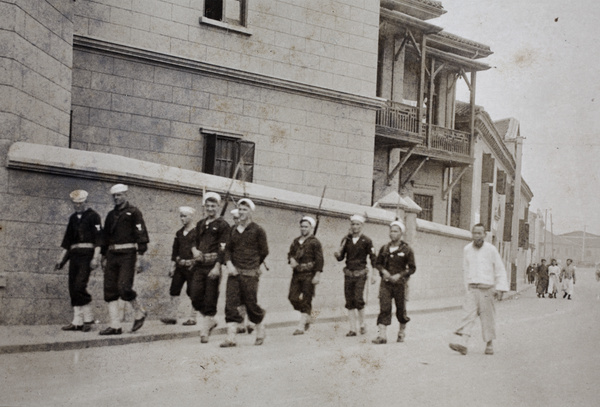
(404, 118)
(453, 141)
(398, 116)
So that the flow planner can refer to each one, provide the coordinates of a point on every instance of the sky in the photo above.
(546, 74)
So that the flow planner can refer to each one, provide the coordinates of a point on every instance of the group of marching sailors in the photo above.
(203, 251)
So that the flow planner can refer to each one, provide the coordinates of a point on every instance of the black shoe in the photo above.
(241, 330)
(351, 333)
(168, 321)
(569, 297)
(72, 327)
(111, 331)
(565, 296)
(87, 326)
(250, 329)
(138, 323)
(189, 322)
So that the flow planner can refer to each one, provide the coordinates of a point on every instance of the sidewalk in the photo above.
(39, 338)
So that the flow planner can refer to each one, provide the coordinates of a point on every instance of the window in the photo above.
(233, 12)
(228, 157)
(426, 204)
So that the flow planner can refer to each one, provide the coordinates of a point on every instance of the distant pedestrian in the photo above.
(125, 239)
(396, 263)
(541, 284)
(567, 277)
(212, 234)
(182, 262)
(81, 247)
(306, 259)
(598, 278)
(485, 277)
(553, 273)
(531, 270)
(356, 248)
(246, 250)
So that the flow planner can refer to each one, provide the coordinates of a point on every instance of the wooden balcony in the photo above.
(397, 126)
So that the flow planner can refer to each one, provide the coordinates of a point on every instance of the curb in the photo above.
(144, 338)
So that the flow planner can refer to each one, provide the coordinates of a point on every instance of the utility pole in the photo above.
(514, 242)
(545, 225)
(583, 245)
(552, 233)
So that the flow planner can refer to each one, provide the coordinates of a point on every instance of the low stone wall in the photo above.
(36, 210)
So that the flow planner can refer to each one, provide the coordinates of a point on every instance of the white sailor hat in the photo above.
(188, 210)
(247, 202)
(310, 220)
(118, 188)
(235, 212)
(357, 218)
(211, 195)
(399, 224)
(78, 196)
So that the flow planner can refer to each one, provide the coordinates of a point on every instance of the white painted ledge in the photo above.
(115, 168)
(444, 230)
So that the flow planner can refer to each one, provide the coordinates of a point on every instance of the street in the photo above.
(546, 355)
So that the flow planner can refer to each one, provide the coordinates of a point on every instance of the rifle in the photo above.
(319, 211)
(235, 173)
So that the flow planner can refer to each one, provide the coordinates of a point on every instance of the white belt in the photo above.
(82, 246)
(122, 246)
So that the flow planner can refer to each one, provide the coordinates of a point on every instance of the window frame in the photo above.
(209, 164)
(224, 22)
(424, 210)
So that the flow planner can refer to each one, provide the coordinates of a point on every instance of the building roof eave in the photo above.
(446, 41)
(396, 17)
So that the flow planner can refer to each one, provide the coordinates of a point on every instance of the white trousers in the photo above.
(568, 285)
(479, 302)
(552, 283)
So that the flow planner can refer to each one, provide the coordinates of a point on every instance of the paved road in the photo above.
(546, 355)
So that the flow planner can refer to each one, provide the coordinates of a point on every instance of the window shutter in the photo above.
(487, 172)
(508, 213)
(246, 158)
(210, 145)
(501, 182)
(523, 234)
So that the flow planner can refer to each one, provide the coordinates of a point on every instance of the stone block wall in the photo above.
(154, 113)
(329, 44)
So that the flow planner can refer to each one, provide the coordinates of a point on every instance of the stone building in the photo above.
(176, 97)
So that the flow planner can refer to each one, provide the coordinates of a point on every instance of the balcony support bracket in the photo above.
(399, 166)
(413, 173)
(454, 182)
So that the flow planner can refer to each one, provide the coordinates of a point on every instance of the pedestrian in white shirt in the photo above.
(485, 277)
(553, 272)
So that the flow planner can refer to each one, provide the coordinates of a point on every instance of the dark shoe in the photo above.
(111, 331)
(569, 297)
(189, 322)
(565, 296)
(168, 321)
(138, 323)
(363, 330)
(259, 341)
(379, 340)
(458, 348)
(72, 327)
(401, 336)
(489, 350)
(227, 344)
(250, 329)
(298, 332)
(204, 339)
(241, 330)
(87, 326)
(351, 333)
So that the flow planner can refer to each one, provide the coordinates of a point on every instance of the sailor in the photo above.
(396, 263)
(81, 247)
(212, 233)
(306, 259)
(182, 262)
(356, 248)
(125, 240)
(246, 250)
